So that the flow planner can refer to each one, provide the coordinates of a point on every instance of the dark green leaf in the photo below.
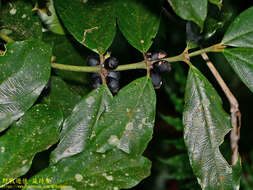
(19, 22)
(217, 2)
(241, 60)
(36, 131)
(178, 166)
(67, 53)
(77, 128)
(139, 22)
(240, 32)
(128, 123)
(193, 10)
(174, 121)
(51, 21)
(92, 23)
(206, 124)
(24, 71)
(61, 96)
(125, 126)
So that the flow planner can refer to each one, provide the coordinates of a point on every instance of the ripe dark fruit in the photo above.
(97, 83)
(96, 80)
(159, 55)
(113, 84)
(162, 66)
(114, 75)
(156, 79)
(155, 56)
(93, 61)
(111, 63)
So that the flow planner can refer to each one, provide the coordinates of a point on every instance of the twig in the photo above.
(234, 110)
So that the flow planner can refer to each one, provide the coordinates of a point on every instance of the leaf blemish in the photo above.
(108, 177)
(78, 177)
(88, 31)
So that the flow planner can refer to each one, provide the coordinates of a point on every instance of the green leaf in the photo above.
(77, 128)
(193, 10)
(67, 53)
(61, 96)
(24, 71)
(174, 121)
(36, 131)
(91, 23)
(19, 22)
(240, 32)
(178, 167)
(51, 21)
(128, 123)
(122, 134)
(217, 2)
(241, 60)
(139, 22)
(94, 171)
(206, 124)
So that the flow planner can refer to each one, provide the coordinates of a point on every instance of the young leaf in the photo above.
(125, 126)
(18, 21)
(24, 71)
(36, 131)
(241, 60)
(139, 22)
(128, 123)
(193, 10)
(240, 32)
(206, 124)
(92, 23)
(77, 128)
(61, 96)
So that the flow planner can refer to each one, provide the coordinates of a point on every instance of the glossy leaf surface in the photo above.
(24, 71)
(77, 128)
(193, 10)
(240, 32)
(112, 157)
(241, 60)
(18, 21)
(36, 131)
(92, 23)
(59, 95)
(139, 21)
(206, 124)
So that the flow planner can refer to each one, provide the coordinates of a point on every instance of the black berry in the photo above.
(114, 75)
(93, 61)
(96, 80)
(158, 55)
(113, 84)
(161, 66)
(156, 79)
(111, 63)
(155, 56)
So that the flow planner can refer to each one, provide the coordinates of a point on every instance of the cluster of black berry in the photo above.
(112, 78)
(159, 67)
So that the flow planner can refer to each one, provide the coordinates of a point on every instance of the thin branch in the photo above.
(234, 110)
(140, 65)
